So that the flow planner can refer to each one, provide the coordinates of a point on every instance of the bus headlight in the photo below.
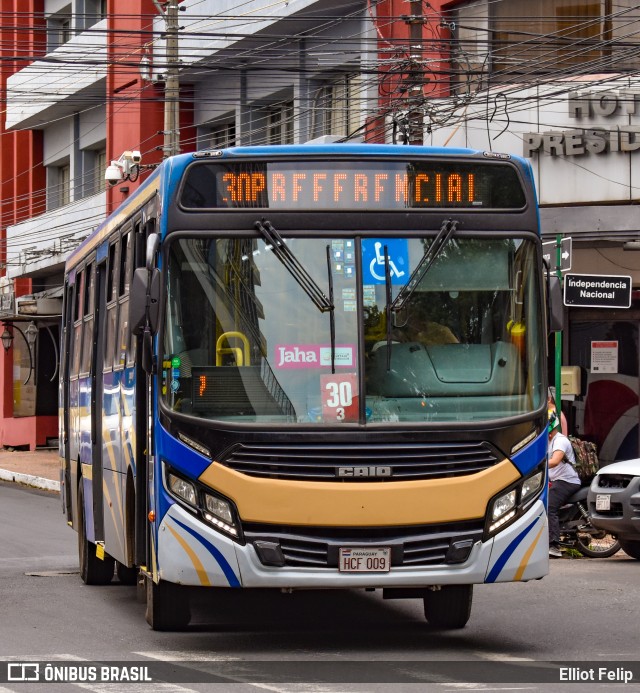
(514, 501)
(219, 512)
(213, 509)
(182, 488)
(502, 510)
(531, 485)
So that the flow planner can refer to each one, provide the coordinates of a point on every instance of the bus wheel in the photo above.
(449, 607)
(127, 576)
(93, 570)
(168, 605)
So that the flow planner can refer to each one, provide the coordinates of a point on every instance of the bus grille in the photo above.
(322, 461)
(410, 546)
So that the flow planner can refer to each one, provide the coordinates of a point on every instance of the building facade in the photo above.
(69, 104)
(86, 80)
(556, 82)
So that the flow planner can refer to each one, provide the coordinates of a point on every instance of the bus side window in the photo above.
(112, 307)
(87, 318)
(77, 324)
(124, 280)
(131, 263)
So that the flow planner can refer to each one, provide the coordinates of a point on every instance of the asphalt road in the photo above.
(585, 611)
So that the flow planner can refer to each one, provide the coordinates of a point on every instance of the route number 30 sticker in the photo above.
(339, 397)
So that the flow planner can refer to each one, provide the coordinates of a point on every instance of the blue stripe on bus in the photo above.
(178, 455)
(508, 552)
(222, 561)
(531, 455)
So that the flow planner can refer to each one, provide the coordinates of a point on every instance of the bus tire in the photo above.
(127, 576)
(168, 605)
(449, 607)
(93, 570)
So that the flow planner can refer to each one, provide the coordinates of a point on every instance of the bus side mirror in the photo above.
(144, 300)
(555, 304)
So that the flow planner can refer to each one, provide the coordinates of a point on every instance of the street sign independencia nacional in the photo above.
(597, 291)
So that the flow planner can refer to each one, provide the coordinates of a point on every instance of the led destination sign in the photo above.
(352, 185)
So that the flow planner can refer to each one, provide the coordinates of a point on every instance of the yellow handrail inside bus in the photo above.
(236, 351)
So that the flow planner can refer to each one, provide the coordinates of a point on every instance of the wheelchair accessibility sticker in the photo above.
(373, 269)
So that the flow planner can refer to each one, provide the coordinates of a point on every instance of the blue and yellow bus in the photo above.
(318, 366)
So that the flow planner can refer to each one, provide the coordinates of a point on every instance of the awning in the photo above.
(41, 306)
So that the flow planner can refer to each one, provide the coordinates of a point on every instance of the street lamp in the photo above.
(7, 339)
(32, 335)
(30, 339)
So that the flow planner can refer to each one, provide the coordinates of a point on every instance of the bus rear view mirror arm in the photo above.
(153, 243)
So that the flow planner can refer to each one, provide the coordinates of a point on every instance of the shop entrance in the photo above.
(604, 343)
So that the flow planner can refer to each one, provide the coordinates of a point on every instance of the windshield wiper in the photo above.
(447, 230)
(294, 266)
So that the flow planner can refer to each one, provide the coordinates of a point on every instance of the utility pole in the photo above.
(172, 82)
(415, 83)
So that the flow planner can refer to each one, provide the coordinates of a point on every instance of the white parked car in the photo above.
(614, 503)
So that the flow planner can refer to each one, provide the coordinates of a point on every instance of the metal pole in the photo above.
(172, 83)
(416, 74)
(558, 335)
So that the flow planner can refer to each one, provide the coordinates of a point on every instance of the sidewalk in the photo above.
(37, 469)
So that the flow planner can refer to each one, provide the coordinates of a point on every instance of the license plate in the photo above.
(603, 502)
(364, 560)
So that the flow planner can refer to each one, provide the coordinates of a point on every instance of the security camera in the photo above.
(113, 174)
(136, 157)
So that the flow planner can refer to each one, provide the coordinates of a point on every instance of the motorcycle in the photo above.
(577, 532)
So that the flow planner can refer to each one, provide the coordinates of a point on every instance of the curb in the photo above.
(30, 480)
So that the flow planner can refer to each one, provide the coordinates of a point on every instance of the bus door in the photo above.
(97, 395)
(65, 400)
(142, 400)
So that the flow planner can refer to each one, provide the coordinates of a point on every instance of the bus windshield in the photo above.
(244, 342)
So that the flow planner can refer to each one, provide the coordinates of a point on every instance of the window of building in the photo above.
(218, 136)
(280, 123)
(338, 106)
(94, 165)
(64, 184)
(65, 30)
(99, 168)
(59, 28)
(58, 185)
(514, 40)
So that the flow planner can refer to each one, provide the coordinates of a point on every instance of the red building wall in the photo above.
(135, 107)
(134, 111)
(412, 52)
(22, 188)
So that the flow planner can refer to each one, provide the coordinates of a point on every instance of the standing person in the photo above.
(563, 479)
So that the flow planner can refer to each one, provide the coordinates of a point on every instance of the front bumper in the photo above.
(190, 552)
(623, 518)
